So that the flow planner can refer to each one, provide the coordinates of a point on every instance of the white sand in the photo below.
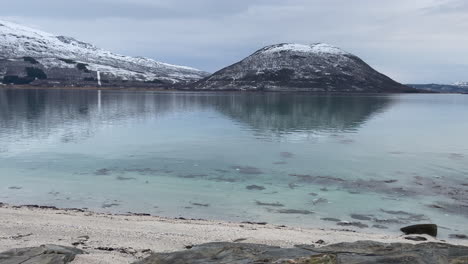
(47, 226)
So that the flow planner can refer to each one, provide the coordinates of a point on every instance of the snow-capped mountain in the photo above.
(68, 60)
(461, 84)
(296, 67)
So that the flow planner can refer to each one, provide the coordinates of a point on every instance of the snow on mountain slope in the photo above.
(297, 67)
(461, 84)
(53, 52)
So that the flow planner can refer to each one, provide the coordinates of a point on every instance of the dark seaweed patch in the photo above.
(255, 187)
(286, 155)
(379, 226)
(356, 224)
(294, 211)
(200, 204)
(122, 178)
(103, 171)
(361, 217)
(276, 204)
(319, 201)
(109, 205)
(330, 219)
(280, 162)
(193, 176)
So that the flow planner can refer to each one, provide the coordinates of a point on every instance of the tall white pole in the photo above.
(98, 78)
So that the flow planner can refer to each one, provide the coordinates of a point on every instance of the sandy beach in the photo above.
(126, 238)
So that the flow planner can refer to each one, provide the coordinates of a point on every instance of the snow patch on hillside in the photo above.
(319, 48)
(17, 41)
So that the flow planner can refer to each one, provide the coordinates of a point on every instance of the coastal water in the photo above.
(379, 162)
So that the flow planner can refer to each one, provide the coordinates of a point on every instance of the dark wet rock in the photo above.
(286, 154)
(103, 171)
(15, 188)
(294, 211)
(319, 201)
(122, 178)
(324, 189)
(255, 187)
(247, 170)
(379, 226)
(293, 185)
(200, 204)
(223, 253)
(355, 224)
(331, 219)
(221, 171)
(320, 242)
(458, 236)
(428, 229)
(276, 204)
(46, 254)
(415, 238)
(313, 194)
(362, 252)
(361, 217)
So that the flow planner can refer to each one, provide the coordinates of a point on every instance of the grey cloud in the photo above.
(399, 37)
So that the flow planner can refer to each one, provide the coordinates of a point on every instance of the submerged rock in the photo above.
(361, 217)
(428, 229)
(255, 187)
(276, 204)
(331, 219)
(45, 254)
(294, 211)
(356, 224)
(458, 236)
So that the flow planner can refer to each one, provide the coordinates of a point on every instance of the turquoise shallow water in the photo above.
(382, 161)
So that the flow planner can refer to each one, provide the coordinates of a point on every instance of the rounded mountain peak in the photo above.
(317, 48)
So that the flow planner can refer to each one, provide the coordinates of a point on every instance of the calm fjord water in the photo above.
(384, 161)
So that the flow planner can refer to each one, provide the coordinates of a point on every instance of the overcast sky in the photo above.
(412, 41)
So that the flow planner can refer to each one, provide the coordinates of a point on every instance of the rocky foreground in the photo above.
(240, 253)
(85, 237)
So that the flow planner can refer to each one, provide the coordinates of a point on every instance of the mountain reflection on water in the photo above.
(77, 114)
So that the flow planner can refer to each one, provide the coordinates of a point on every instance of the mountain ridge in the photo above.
(22, 47)
(315, 67)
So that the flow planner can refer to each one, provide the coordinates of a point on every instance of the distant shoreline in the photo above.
(29, 226)
(160, 89)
